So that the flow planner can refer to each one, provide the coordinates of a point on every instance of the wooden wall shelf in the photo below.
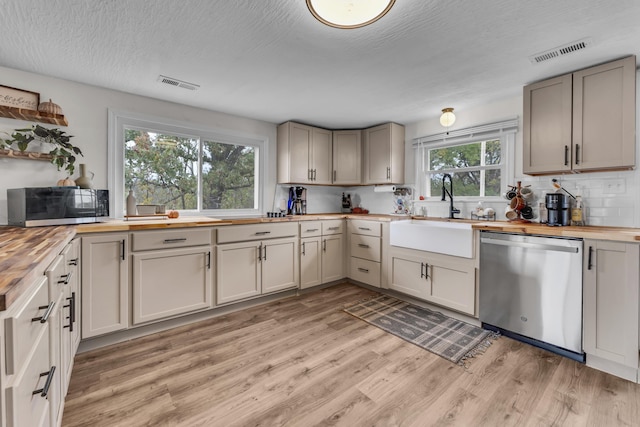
(36, 116)
(28, 155)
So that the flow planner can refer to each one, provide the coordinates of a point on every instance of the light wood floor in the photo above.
(301, 361)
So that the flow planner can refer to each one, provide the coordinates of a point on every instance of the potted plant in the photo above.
(63, 154)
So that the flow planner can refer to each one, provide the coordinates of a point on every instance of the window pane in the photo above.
(228, 176)
(492, 182)
(492, 154)
(464, 184)
(161, 169)
(459, 156)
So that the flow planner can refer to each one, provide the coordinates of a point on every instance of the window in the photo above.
(186, 168)
(475, 158)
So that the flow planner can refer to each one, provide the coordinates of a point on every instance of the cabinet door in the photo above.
(321, 164)
(58, 356)
(452, 285)
(611, 301)
(408, 275)
(604, 119)
(24, 408)
(547, 126)
(347, 157)
(332, 258)
(170, 282)
(300, 140)
(384, 154)
(237, 271)
(72, 259)
(279, 265)
(310, 262)
(105, 284)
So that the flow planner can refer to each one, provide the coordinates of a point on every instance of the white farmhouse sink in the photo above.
(450, 238)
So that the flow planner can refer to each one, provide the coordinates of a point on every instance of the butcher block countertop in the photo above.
(25, 253)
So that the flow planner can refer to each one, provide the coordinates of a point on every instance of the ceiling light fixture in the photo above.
(348, 14)
(447, 118)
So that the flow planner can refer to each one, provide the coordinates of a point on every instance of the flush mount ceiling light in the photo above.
(349, 14)
(447, 118)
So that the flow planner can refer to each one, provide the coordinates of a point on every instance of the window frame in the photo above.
(119, 120)
(505, 131)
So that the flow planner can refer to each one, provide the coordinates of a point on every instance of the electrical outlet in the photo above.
(614, 186)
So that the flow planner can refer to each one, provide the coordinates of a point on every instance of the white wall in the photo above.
(85, 108)
(611, 198)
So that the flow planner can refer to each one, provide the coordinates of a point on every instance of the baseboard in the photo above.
(627, 372)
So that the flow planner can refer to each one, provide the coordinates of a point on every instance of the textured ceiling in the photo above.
(271, 60)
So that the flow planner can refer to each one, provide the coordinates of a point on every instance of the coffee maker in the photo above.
(558, 208)
(297, 201)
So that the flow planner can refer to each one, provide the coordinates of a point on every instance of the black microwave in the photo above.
(39, 206)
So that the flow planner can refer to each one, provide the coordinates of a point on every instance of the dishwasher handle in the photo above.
(528, 245)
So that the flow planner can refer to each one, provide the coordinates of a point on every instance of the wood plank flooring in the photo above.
(302, 361)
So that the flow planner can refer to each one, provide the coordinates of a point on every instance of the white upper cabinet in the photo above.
(347, 157)
(384, 154)
(304, 154)
(583, 121)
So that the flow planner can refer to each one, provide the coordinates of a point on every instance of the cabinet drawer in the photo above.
(241, 233)
(369, 228)
(23, 407)
(167, 239)
(365, 271)
(332, 226)
(366, 247)
(310, 228)
(22, 330)
(57, 277)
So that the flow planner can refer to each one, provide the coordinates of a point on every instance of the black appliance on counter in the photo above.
(39, 206)
(558, 208)
(297, 204)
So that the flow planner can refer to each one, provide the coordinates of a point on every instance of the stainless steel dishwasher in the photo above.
(531, 289)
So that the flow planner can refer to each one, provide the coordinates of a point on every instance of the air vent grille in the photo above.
(178, 83)
(561, 51)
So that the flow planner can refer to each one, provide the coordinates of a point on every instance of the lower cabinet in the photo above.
(441, 279)
(105, 284)
(610, 300)
(365, 250)
(321, 252)
(170, 282)
(29, 369)
(253, 268)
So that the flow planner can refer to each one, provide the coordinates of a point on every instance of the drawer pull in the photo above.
(73, 261)
(333, 228)
(362, 245)
(178, 240)
(45, 316)
(303, 248)
(364, 270)
(364, 228)
(310, 230)
(67, 278)
(45, 390)
(262, 233)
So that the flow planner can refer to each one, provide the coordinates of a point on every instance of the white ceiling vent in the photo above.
(178, 83)
(561, 50)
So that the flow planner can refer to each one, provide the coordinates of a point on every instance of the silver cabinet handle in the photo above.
(45, 316)
(65, 278)
(177, 240)
(364, 270)
(388, 173)
(362, 245)
(45, 390)
(262, 233)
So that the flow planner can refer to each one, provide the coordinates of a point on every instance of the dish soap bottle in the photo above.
(577, 213)
(131, 204)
